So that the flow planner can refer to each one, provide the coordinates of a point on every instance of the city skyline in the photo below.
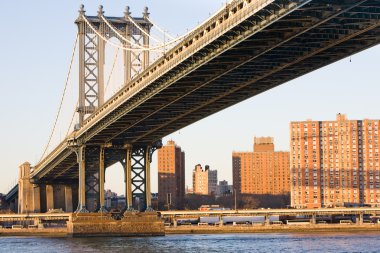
(211, 141)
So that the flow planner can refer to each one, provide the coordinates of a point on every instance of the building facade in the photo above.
(224, 189)
(171, 175)
(335, 163)
(204, 181)
(263, 171)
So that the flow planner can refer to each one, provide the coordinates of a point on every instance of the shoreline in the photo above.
(321, 228)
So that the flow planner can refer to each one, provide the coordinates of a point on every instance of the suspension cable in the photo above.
(160, 29)
(155, 48)
(117, 33)
(62, 98)
(72, 119)
(114, 44)
(143, 31)
(174, 40)
(165, 44)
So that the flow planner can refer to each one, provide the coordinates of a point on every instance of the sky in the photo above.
(35, 52)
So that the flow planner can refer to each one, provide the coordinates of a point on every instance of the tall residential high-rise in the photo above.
(335, 163)
(204, 181)
(171, 175)
(263, 171)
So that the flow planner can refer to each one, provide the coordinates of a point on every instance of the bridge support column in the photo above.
(82, 40)
(127, 59)
(148, 194)
(128, 180)
(313, 219)
(138, 160)
(359, 219)
(49, 197)
(102, 208)
(100, 63)
(68, 199)
(25, 189)
(221, 221)
(92, 179)
(146, 42)
(267, 220)
(36, 199)
(82, 180)
(138, 176)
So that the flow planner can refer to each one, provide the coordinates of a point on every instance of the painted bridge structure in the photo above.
(246, 48)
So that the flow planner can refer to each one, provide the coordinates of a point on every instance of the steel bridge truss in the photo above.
(92, 54)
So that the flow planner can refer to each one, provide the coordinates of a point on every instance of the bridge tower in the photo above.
(133, 34)
(93, 31)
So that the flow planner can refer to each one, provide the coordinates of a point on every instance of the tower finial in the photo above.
(127, 12)
(81, 9)
(146, 13)
(100, 10)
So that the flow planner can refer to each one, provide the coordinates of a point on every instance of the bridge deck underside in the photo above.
(219, 75)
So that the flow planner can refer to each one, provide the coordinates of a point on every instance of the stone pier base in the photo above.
(133, 224)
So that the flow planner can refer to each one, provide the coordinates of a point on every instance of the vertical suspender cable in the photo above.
(62, 98)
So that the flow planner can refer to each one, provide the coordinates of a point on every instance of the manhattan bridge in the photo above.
(246, 48)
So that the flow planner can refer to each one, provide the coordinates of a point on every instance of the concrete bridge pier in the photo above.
(25, 191)
(68, 198)
(36, 198)
(49, 197)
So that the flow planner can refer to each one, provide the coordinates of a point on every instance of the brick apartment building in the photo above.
(335, 163)
(263, 171)
(171, 174)
(205, 181)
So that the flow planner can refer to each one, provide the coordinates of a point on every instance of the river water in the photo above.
(327, 242)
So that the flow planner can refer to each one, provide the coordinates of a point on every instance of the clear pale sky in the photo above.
(35, 48)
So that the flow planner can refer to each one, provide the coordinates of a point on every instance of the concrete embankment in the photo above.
(48, 232)
(272, 229)
(320, 228)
